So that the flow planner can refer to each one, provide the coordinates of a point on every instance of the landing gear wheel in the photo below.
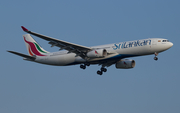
(82, 67)
(103, 69)
(99, 72)
(155, 58)
(87, 64)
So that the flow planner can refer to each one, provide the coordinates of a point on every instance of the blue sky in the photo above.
(150, 87)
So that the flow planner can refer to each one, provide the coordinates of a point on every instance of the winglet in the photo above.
(24, 29)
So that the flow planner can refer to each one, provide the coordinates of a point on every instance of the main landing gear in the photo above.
(100, 72)
(84, 66)
(156, 58)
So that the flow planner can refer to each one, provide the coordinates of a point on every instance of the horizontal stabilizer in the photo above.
(23, 55)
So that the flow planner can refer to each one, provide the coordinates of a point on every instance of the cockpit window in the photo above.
(165, 41)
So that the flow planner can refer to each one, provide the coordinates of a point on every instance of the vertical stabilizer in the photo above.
(33, 47)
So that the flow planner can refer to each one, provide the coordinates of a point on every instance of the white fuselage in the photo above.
(115, 51)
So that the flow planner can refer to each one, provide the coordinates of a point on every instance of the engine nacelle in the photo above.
(125, 64)
(97, 53)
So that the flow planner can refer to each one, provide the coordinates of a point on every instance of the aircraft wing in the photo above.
(72, 48)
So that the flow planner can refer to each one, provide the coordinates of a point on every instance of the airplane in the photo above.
(103, 55)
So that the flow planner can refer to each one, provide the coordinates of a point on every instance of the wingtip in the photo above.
(24, 29)
(9, 51)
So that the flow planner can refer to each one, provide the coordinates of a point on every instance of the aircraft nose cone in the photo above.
(171, 44)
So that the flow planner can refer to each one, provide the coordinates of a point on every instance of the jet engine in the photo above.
(97, 53)
(125, 64)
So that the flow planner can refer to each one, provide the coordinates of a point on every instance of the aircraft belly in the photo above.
(57, 60)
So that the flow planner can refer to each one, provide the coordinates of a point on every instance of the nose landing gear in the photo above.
(156, 58)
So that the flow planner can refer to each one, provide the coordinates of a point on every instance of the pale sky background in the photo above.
(150, 87)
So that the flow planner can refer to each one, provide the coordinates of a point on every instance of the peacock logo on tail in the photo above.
(34, 48)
